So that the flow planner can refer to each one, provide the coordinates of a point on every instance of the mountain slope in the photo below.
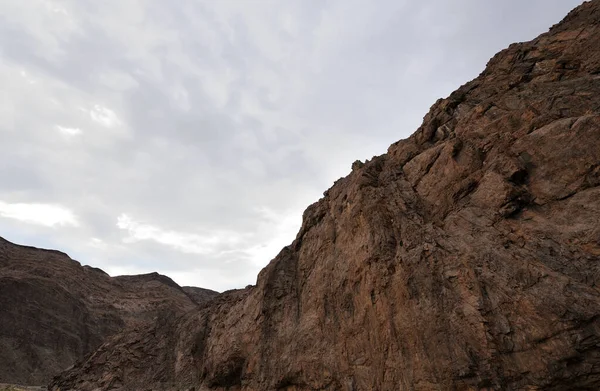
(54, 312)
(466, 258)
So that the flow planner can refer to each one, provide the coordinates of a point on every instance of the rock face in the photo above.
(466, 258)
(54, 312)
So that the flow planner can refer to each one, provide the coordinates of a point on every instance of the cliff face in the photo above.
(466, 258)
(54, 312)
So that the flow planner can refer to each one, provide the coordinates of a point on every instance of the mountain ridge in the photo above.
(56, 311)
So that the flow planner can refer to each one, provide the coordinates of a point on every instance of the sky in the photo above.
(187, 137)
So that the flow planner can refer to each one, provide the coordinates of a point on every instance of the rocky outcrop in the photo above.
(53, 311)
(466, 258)
(199, 295)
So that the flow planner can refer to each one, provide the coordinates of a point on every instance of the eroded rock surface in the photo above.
(465, 258)
(53, 311)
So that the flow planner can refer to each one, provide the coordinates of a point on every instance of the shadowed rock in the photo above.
(54, 312)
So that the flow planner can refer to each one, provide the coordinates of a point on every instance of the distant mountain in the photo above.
(54, 312)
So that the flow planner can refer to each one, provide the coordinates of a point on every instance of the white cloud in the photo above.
(40, 214)
(97, 243)
(104, 116)
(281, 230)
(68, 131)
(212, 243)
(27, 77)
(117, 80)
(180, 98)
(196, 114)
(49, 23)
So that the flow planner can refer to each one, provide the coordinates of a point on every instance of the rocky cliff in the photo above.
(465, 258)
(53, 311)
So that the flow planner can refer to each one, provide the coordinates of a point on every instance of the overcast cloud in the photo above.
(187, 137)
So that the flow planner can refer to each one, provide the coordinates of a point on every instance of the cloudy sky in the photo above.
(187, 137)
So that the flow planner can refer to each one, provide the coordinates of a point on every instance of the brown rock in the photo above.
(54, 312)
(466, 258)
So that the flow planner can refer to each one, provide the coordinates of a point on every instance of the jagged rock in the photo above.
(466, 258)
(357, 165)
(54, 312)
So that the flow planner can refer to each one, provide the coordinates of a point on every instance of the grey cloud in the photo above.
(216, 123)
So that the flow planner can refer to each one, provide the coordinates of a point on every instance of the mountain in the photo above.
(465, 258)
(53, 311)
